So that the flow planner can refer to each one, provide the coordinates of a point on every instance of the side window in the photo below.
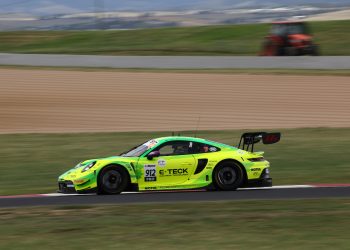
(200, 148)
(166, 150)
(174, 148)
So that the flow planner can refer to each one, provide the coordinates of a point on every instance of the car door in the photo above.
(174, 165)
(204, 155)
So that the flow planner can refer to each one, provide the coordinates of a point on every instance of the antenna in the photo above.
(195, 132)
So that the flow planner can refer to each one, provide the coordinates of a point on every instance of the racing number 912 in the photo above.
(150, 172)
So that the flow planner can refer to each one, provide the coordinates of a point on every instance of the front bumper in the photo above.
(66, 187)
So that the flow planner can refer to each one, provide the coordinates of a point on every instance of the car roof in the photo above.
(187, 138)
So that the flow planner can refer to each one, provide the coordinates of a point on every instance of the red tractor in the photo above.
(289, 39)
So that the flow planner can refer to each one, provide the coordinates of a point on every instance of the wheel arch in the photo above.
(245, 176)
(115, 165)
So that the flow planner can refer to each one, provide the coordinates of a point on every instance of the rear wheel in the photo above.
(112, 180)
(228, 176)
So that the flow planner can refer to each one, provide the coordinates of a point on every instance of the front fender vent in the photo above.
(201, 165)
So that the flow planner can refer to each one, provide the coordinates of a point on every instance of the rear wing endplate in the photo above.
(248, 140)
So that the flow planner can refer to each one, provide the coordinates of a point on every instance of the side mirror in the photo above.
(153, 154)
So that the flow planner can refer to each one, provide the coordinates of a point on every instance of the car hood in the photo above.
(77, 170)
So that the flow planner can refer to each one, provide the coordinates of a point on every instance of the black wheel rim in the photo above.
(111, 180)
(227, 176)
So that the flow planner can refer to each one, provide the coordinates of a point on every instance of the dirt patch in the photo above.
(334, 15)
(75, 101)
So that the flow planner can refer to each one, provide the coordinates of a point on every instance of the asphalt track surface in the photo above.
(178, 62)
(298, 192)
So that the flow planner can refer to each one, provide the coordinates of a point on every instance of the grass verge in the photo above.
(31, 163)
(283, 224)
(333, 37)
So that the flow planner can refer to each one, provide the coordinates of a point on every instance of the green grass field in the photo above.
(31, 163)
(272, 224)
(333, 37)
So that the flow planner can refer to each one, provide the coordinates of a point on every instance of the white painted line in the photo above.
(61, 194)
(278, 187)
(172, 191)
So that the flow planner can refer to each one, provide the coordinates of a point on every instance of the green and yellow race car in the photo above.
(173, 163)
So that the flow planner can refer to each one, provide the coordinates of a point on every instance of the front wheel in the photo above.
(112, 180)
(228, 176)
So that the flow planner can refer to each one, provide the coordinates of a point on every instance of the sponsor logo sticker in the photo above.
(173, 172)
(212, 149)
(255, 169)
(161, 163)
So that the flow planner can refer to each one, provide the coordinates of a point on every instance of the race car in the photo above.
(173, 163)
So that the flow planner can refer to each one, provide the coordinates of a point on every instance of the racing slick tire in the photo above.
(228, 176)
(112, 180)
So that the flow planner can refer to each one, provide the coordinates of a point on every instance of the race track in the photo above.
(178, 62)
(36, 101)
(297, 192)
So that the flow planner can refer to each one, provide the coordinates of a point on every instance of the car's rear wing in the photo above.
(248, 140)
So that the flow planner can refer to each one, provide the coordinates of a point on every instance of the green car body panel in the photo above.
(169, 172)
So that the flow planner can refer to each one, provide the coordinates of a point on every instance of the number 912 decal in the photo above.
(150, 172)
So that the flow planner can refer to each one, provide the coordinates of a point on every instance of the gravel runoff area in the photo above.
(77, 101)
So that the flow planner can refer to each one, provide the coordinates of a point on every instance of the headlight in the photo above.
(87, 167)
(78, 165)
(256, 159)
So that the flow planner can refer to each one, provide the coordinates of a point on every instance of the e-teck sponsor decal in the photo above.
(150, 172)
(173, 172)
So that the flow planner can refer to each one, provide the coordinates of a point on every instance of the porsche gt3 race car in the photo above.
(174, 162)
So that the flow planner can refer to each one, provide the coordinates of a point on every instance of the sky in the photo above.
(50, 7)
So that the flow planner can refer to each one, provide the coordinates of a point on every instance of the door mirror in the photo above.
(153, 154)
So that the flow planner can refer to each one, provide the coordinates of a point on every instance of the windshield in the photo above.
(140, 149)
(291, 29)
